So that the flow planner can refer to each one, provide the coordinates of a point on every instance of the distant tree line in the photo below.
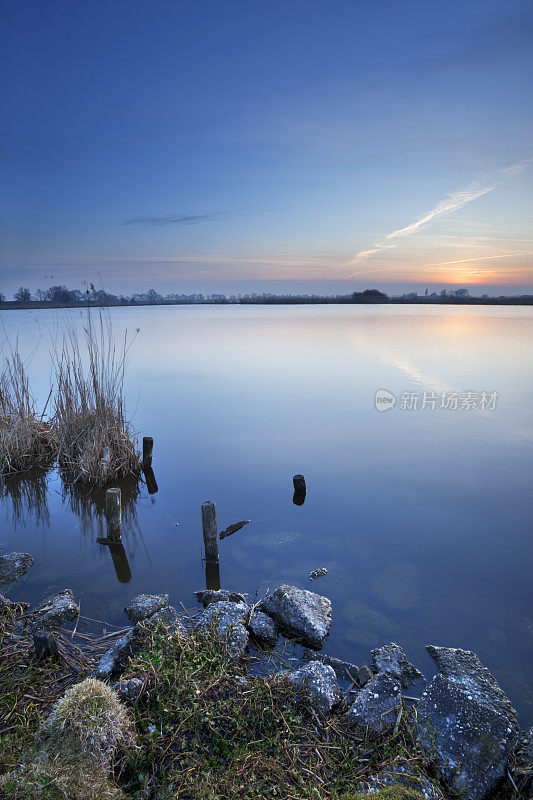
(61, 296)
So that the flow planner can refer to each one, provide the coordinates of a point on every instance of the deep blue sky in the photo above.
(267, 145)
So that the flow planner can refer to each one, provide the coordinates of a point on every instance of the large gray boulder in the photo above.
(301, 614)
(229, 620)
(391, 659)
(14, 566)
(375, 708)
(466, 724)
(319, 682)
(54, 611)
(144, 605)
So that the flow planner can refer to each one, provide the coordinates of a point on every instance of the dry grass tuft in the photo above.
(77, 743)
(26, 440)
(89, 722)
(95, 443)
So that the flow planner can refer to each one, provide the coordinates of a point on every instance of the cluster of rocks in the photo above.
(465, 724)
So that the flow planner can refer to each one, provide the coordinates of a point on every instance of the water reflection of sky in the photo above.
(422, 518)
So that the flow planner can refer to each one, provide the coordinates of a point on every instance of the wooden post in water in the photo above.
(299, 484)
(113, 513)
(148, 448)
(209, 526)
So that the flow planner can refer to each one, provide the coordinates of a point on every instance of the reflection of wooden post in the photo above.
(212, 576)
(209, 526)
(148, 448)
(120, 561)
(151, 483)
(113, 513)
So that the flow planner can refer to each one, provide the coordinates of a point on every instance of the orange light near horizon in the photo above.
(474, 275)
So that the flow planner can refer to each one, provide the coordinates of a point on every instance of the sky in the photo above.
(316, 146)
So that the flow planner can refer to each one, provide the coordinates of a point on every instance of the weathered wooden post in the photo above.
(299, 484)
(113, 513)
(209, 526)
(148, 449)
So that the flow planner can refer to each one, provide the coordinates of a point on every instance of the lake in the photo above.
(421, 515)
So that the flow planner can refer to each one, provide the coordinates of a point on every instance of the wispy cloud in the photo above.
(448, 205)
(479, 258)
(363, 254)
(451, 203)
(516, 169)
(194, 219)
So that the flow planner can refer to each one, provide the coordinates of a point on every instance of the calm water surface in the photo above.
(422, 517)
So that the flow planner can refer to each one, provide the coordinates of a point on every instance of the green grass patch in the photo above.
(206, 730)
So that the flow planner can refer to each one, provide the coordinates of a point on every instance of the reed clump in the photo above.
(96, 445)
(27, 440)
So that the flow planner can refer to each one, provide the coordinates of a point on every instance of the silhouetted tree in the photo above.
(23, 295)
(60, 294)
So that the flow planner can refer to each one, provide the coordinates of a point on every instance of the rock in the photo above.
(302, 614)
(318, 573)
(13, 566)
(229, 619)
(392, 660)
(54, 611)
(144, 605)
(375, 708)
(401, 775)
(523, 772)
(130, 689)
(364, 675)
(320, 683)
(342, 669)
(263, 628)
(466, 670)
(207, 596)
(45, 645)
(115, 660)
(524, 751)
(466, 724)
(171, 618)
(5, 602)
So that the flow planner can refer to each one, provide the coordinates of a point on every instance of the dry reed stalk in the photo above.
(96, 445)
(26, 439)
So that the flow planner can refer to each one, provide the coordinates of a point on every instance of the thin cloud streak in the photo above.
(451, 203)
(366, 253)
(480, 258)
(193, 219)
